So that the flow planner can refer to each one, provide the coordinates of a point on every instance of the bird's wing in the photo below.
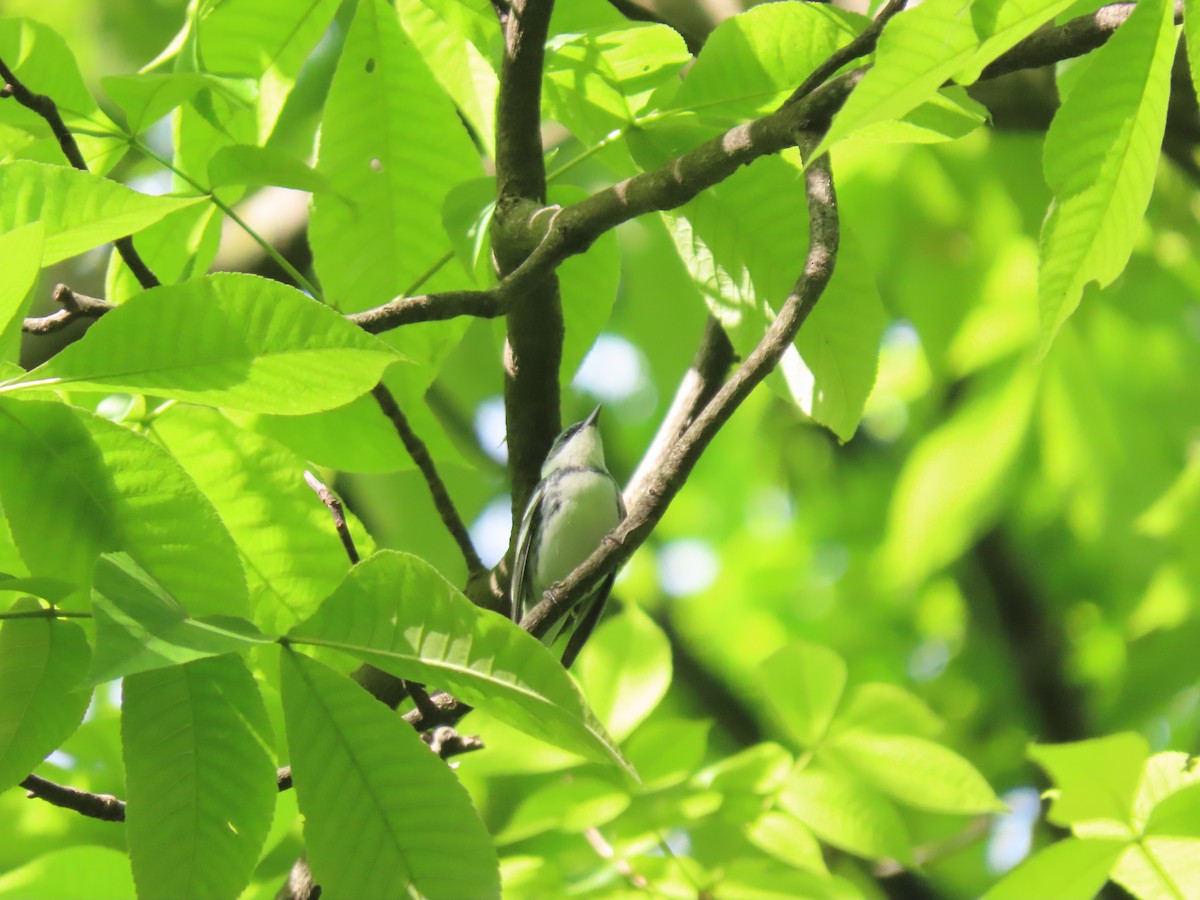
(529, 523)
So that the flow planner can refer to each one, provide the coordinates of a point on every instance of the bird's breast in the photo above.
(581, 507)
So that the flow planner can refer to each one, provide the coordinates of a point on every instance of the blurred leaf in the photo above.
(233, 340)
(42, 661)
(572, 805)
(200, 778)
(139, 627)
(347, 750)
(885, 709)
(41, 59)
(915, 771)
(625, 670)
(953, 481)
(79, 210)
(803, 683)
(396, 612)
(667, 751)
(1177, 815)
(99, 873)
(1093, 779)
(588, 285)
(1070, 869)
(786, 839)
(1101, 156)
(847, 814)
(247, 164)
(760, 769)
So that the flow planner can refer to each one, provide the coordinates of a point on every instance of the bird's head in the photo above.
(579, 446)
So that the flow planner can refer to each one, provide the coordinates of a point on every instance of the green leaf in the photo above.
(1177, 815)
(21, 250)
(573, 804)
(744, 242)
(140, 627)
(79, 210)
(247, 164)
(754, 60)
(1093, 779)
(948, 115)
(953, 482)
(667, 751)
(75, 485)
(230, 340)
(200, 778)
(886, 709)
(42, 662)
(804, 684)
(452, 38)
(915, 771)
(262, 39)
(788, 840)
(99, 873)
(1001, 24)
(292, 556)
(396, 612)
(1101, 156)
(147, 97)
(595, 81)
(383, 228)
(919, 50)
(625, 670)
(1191, 36)
(760, 769)
(180, 247)
(354, 761)
(846, 813)
(1160, 868)
(1071, 869)
(40, 57)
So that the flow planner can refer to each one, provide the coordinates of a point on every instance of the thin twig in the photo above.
(48, 110)
(652, 503)
(424, 461)
(74, 305)
(334, 505)
(429, 308)
(857, 48)
(105, 807)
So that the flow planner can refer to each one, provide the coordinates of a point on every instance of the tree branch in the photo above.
(699, 384)
(334, 505)
(635, 12)
(429, 308)
(75, 306)
(441, 497)
(46, 108)
(105, 807)
(648, 507)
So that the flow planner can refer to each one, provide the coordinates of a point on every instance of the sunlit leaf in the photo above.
(353, 760)
(200, 777)
(42, 661)
(1070, 869)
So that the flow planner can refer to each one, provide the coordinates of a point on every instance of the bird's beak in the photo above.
(592, 417)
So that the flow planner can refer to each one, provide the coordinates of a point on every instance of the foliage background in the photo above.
(1009, 537)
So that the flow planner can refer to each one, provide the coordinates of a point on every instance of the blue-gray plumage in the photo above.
(572, 508)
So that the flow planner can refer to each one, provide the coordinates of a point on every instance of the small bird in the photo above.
(571, 510)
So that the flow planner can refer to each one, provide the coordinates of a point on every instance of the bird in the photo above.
(576, 503)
